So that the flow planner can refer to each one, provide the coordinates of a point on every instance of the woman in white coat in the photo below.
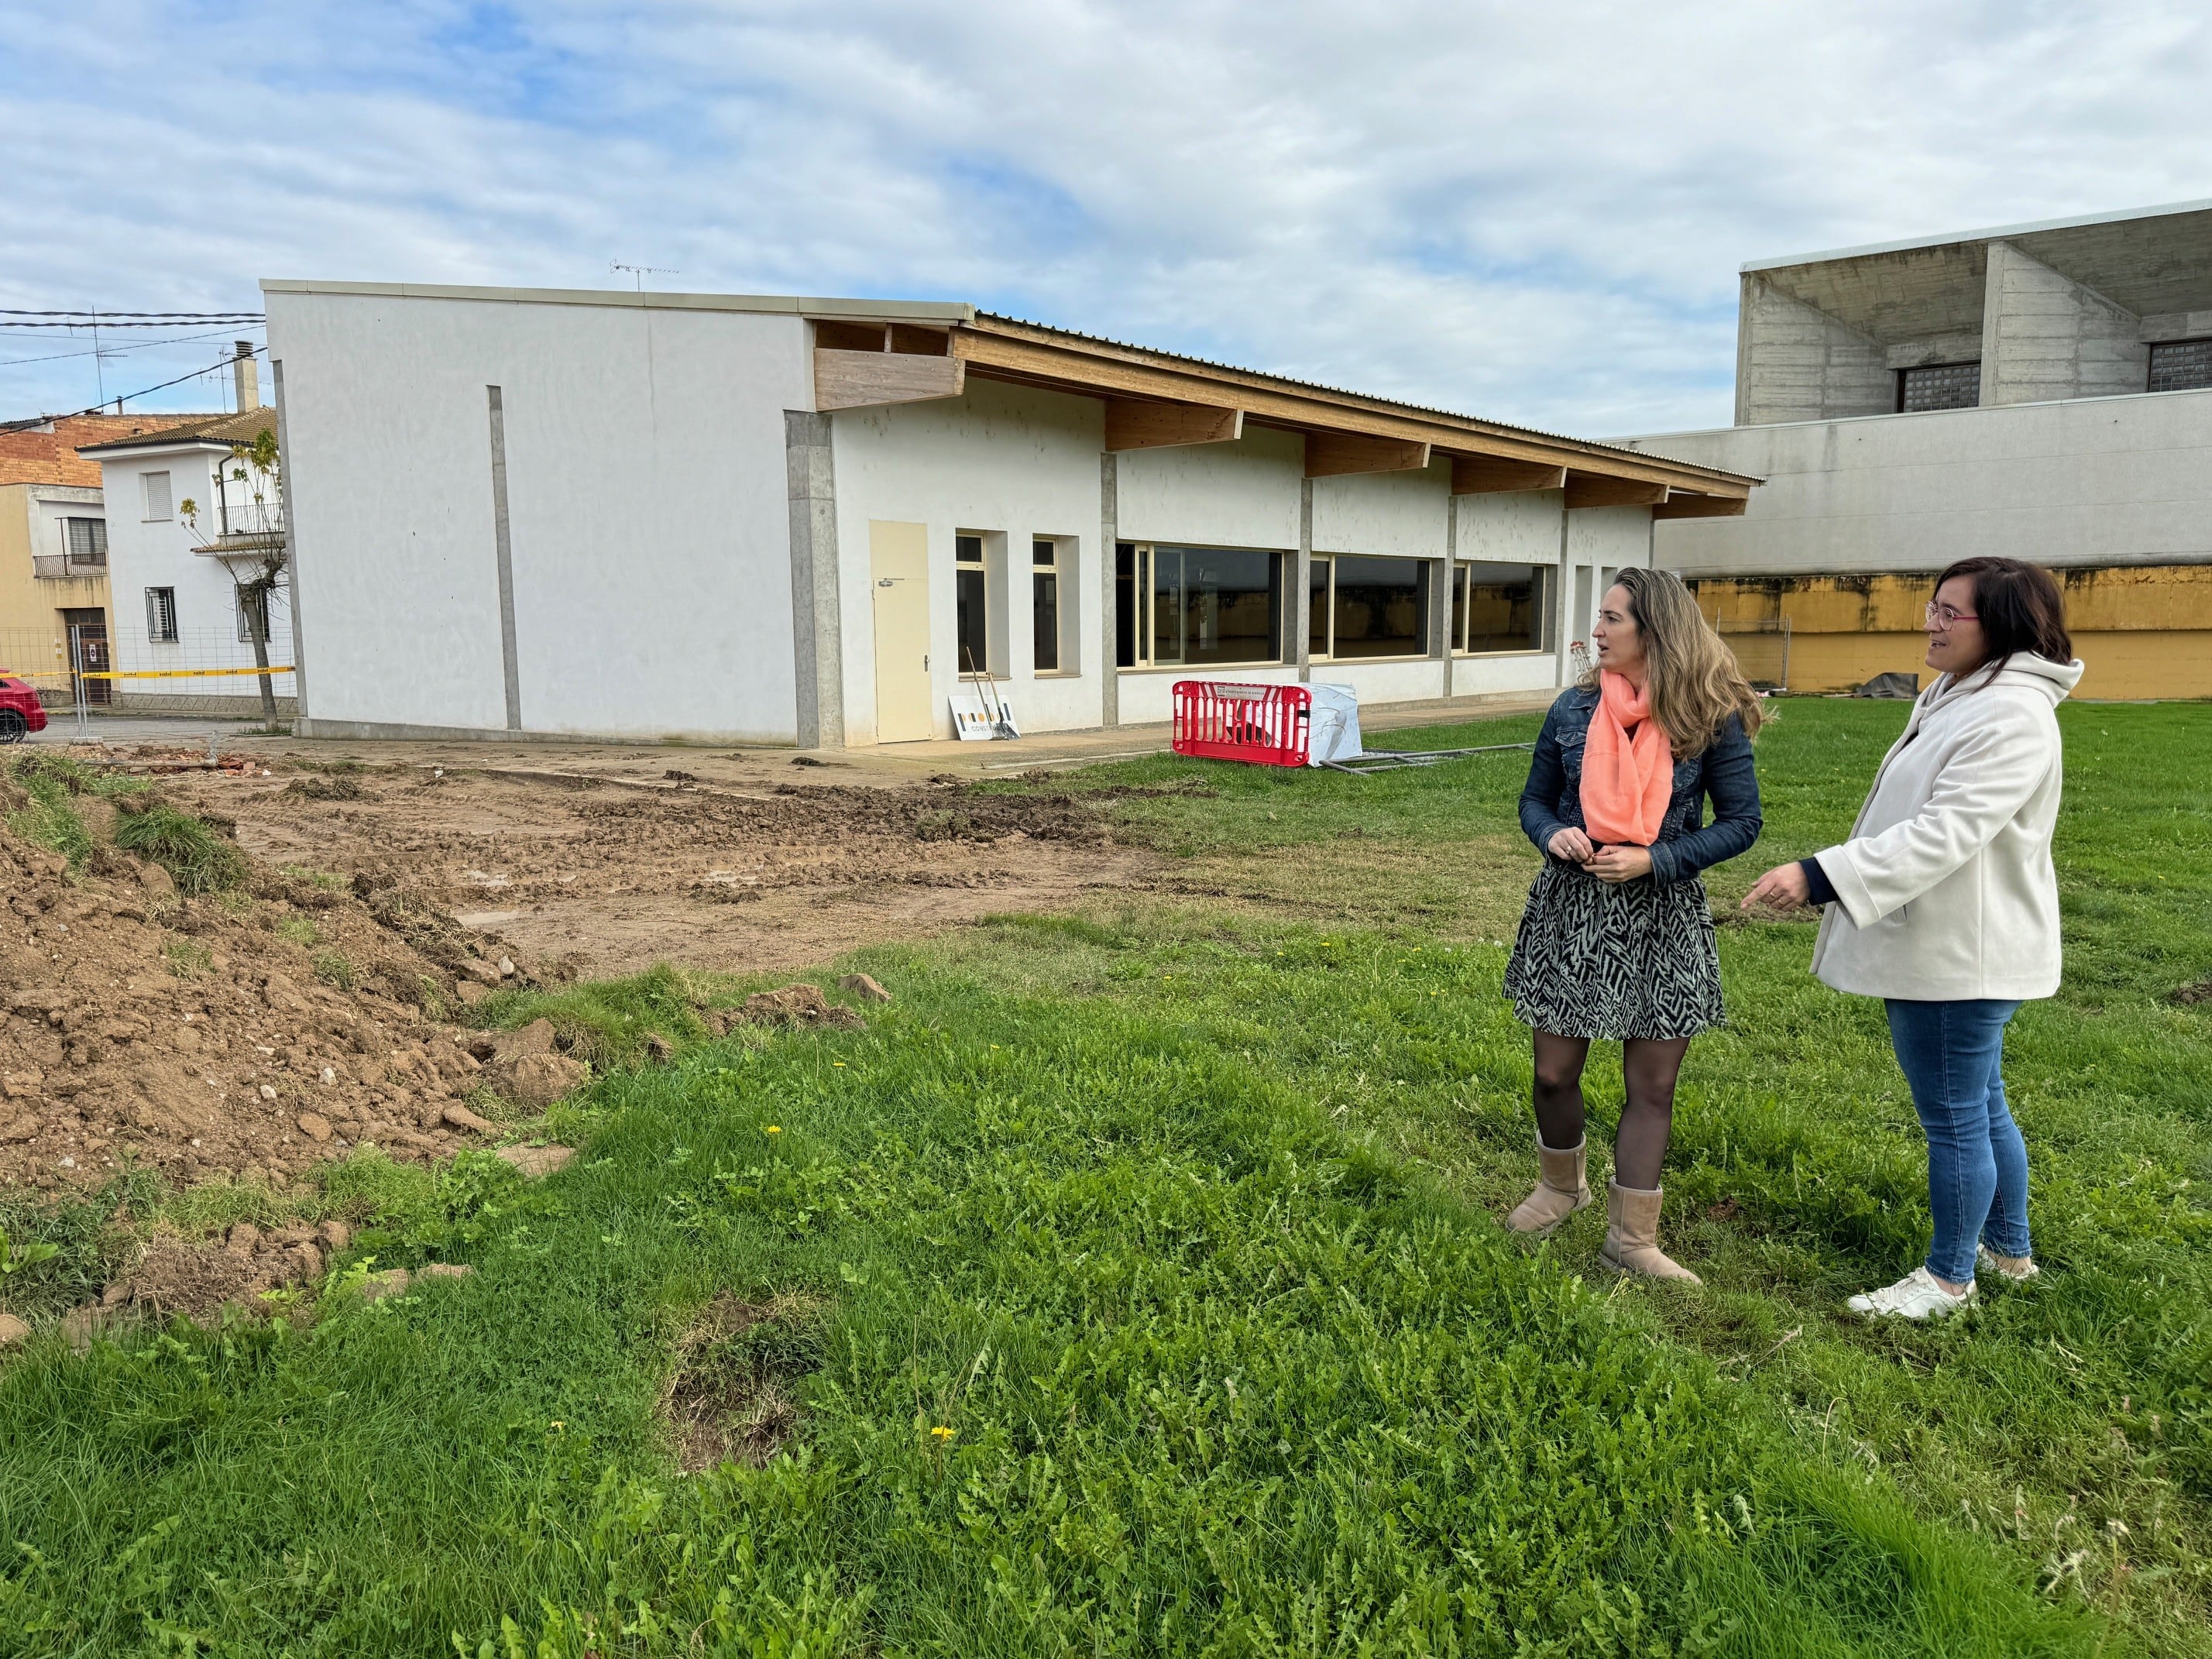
(1944, 903)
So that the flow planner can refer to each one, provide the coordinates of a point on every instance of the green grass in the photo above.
(1176, 1215)
(195, 857)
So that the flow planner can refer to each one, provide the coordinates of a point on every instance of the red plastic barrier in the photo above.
(1265, 725)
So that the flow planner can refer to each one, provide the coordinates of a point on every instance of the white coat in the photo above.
(1945, 890)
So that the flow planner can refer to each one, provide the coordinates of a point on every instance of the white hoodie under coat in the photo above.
(1946, 889)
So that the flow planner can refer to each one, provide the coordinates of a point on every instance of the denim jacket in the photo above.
(1552, 799)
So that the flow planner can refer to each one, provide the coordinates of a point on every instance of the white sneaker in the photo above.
(2019, 1269)
(1916, 1296)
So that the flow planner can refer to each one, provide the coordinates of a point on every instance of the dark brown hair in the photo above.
(2019, 610)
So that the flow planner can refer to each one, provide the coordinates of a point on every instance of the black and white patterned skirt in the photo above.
(1597, 959)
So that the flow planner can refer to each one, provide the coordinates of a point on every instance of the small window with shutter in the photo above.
(161, 615)
(157, 495)
(88, 541)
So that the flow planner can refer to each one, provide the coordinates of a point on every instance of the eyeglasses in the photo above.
(1943, 616)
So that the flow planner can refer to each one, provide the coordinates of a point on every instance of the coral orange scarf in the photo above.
(1628, 768)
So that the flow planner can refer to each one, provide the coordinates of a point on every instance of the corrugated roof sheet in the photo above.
(1304, 385)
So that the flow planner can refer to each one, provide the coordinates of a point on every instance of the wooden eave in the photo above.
(997, 348)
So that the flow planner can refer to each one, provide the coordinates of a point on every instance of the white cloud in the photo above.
(1529, 212)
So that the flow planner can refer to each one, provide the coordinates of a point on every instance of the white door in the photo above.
(898, 568)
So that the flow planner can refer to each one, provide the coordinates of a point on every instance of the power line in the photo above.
(103, 316)
(243, 319)
(110, 351)
(213, 368)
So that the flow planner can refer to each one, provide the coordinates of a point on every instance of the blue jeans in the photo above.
(1951, 1053)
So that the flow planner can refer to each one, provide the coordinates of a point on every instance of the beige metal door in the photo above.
(898, 568)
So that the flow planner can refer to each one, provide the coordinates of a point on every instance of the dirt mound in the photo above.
(796, 1004)
(2188, 995)
(247, 1032)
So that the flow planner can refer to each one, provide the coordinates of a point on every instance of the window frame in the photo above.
(1905, 381)
(1050, 563)
(1424, 586)
(1459, 618)
(2202, 344)
(161, 602)
(1136, 606)
(169, 514)
(978, 568)
(95, 554)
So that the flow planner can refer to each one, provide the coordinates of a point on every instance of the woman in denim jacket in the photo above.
(1617, 941)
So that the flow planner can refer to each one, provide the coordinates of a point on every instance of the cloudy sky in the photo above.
(1530, 211)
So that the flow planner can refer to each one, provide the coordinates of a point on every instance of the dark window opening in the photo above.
(88, 541)
(1497, 607)
(1380, 607)
(161, 615)
(252, 614)
(1044, 584)
(2181, 365)
(1317, 608)
(1202, 607)
(1939, 385)
(1125, 605)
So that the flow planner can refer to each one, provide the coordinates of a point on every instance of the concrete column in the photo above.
(1563, 601)
(503, 552)
(1109, 561)
(1795, 363)
(2044, 337)
(817, 615)
(1301, 606)
(1440, 628)
(291, 556)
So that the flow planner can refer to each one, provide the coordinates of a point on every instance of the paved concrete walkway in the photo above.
(1056, 749)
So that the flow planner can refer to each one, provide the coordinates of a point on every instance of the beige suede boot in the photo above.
(1632, 1238)
(1561, 1192)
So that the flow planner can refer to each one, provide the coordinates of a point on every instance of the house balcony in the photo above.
(67, 567)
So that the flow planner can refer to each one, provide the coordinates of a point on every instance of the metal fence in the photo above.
(200, 672)
(1762, 651)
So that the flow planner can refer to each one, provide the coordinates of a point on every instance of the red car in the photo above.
(19, 710)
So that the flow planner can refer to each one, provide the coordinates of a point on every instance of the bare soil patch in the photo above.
(731, 1397)
(594, 877)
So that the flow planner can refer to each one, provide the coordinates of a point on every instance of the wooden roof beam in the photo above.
(1141, 423)
(1702, 506)
(1596, 489)
(1335, 454)
(1484, 475)
(865, 379)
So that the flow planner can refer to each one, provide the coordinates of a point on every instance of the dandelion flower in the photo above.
(773, 1129)
(941, 1432)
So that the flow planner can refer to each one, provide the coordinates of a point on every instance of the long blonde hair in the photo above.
(1691, 676)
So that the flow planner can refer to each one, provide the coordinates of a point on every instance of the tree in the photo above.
(251, 541)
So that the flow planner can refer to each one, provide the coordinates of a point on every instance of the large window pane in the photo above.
(1382, 607)
(975, 642)
(1125, 605)
(1211, 605)
(1317, 608)
(1497, 607)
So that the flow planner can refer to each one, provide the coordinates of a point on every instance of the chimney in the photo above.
(246, 377)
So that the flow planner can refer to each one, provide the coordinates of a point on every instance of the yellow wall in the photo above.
(30, 610)
(2141, 632)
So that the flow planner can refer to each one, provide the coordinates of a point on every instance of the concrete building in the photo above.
(728, 518)
(2043, 391)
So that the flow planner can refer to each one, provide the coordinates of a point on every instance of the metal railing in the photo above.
(67, 567)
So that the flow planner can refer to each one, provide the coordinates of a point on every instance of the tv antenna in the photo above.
(643, 271)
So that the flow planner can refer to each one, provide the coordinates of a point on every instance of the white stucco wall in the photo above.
(1519, 527)
(2107, 481)
(1242, 494)
(1005, 460)
(647, 501)
(1405, 514)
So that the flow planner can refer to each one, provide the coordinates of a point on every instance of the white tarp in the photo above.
(1334, 735)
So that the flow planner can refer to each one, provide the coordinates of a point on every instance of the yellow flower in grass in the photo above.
(941, 1433)
(773, 1129)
